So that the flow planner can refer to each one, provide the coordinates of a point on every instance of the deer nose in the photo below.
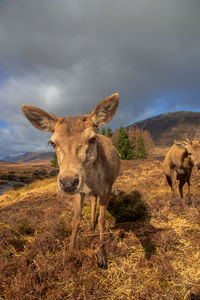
(198, 166)
(75, 182)
(69, 186)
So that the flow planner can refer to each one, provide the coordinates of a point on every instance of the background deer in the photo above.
(178, 165)
(88, 162)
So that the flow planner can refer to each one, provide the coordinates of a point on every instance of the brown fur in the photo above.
(88, 162)
(178, 165)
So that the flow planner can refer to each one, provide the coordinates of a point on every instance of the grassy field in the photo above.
(156, 256)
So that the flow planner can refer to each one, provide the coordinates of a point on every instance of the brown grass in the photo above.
(154, 257)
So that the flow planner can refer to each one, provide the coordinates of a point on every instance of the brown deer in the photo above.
(88, 162)
(178, 165)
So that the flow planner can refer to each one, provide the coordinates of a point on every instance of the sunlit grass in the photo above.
(11, 196)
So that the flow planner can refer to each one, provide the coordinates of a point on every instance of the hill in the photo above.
(165, 128)
(30, 157)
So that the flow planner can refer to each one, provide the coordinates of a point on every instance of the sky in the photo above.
(65, 56)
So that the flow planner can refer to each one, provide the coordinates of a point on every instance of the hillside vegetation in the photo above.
(154, 256)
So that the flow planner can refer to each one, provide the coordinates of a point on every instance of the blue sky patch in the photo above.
(2, 124)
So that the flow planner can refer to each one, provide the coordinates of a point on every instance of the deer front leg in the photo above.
(78, 202)
(101, 254)
(93, 210)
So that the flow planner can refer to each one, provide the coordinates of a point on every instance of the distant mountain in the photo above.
(166, 127)
(30, 156)
(13, 157)
(3, 162)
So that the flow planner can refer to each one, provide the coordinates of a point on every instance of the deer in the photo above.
(88, 162)
(178, 164)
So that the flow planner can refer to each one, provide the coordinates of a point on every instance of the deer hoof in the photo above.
(191, 205)
(101, 259)
(92, 228)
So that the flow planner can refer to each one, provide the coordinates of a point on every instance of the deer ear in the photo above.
(105, 110)
(181, 144)
(39, 118)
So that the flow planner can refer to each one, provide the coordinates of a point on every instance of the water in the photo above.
(4, 187)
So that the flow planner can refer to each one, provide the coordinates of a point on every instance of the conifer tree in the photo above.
(140, 151)
(54, 161)
(132, 141)
(103, 131)
(123, 144)
(109, 132)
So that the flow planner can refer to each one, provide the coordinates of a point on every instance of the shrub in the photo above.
(127, 207)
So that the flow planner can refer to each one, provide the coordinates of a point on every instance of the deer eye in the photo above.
(52, 144)
(92, 140)
(189, 153)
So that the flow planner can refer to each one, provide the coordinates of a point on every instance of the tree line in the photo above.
(131, 143)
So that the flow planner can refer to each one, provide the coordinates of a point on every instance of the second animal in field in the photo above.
(178, 164)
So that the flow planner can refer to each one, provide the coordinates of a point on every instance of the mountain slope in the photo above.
(13, 157)
(30, 156)
(165, 128)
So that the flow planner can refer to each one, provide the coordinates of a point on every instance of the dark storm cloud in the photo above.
(65, 56)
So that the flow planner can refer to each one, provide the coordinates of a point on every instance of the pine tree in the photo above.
(109, 132)
(140, 151)
(103, 131)
(132, 141)
(114, 137)
(123, 144)
(54, 161)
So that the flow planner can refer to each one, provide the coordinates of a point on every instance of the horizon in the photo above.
(49, 149)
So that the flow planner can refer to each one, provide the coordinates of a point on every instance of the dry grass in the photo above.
(154, 257)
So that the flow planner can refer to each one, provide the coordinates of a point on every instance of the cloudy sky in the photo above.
(65, 56)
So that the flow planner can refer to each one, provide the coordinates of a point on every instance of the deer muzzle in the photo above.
(69, 185)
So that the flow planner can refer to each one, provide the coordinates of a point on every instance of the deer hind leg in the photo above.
(182, 181)
(78, 202)
(173, 176)
(188, 197)
(169, 181)
(101, 254)
(93, 210)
